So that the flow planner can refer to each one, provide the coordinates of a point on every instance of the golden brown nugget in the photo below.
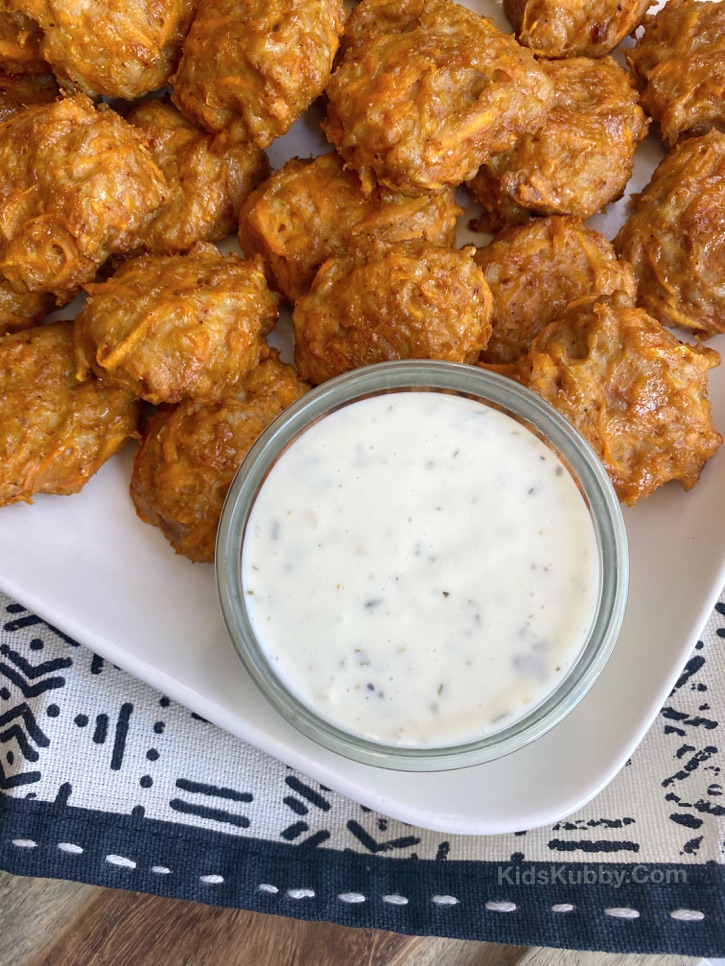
(680, 60)
(312, 209)
(110, 47)
(20, 39)
(171, 327)
(574, 28)
(414, 301)
(22, 310)
(208, 177)
(535, 271)
(637, 394)
(582, 156)
(190, 453)
(57, 432)
(255, 66)
(431, 96)
(18, 91)
(675, 238)
(77, 184)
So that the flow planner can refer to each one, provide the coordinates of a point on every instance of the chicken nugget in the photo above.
(208, 176)
(637, 394)
(170, 327)
(573, 28)
(582, 156)
(255, 66)
(680, 60)
(110, 48)
(310, 210)
(57, 432)
(191, 452)
(675, 238)
(18, 91)
(412, 301)
(77, 184)
(20, 39)
(535, 271)
(430, 96)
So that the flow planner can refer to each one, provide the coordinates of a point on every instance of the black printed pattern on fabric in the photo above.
(697, 753)
(20, 730)
(200, 815)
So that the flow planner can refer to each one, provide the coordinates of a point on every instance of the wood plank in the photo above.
(539, 956)
(115, 928)
(31, 911)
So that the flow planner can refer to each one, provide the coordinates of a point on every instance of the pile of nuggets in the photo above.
(108, 191)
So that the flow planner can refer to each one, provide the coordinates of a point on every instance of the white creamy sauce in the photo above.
(420, 569)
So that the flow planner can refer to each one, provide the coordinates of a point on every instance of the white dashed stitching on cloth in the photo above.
(501, 906)
(121, 860)
(687, 915)
(70, 847)
(619, 913)
(394, 899)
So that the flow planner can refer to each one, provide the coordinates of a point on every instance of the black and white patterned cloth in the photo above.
(105, 781)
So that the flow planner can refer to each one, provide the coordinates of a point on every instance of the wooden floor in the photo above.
(49, 923)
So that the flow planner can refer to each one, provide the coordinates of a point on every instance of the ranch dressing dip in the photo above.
(420, 569)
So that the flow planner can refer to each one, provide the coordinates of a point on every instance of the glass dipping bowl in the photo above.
(537, 416)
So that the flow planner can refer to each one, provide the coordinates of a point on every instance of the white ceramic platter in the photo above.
(87, 564)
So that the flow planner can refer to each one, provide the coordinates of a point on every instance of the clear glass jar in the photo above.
(536, 416)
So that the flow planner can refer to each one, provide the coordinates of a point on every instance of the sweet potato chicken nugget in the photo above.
(57, 432)
(255, 66)
(574, 28)
(536, 271)
(77, 184)
(110, 47)
(21, 310)
(168, 327)
(190, 453)
(430, 95)
(680, 60)
(675, 238)
(20, 39)
(414, 301)
(637, 394)
(310, 210)
(582, 156)
(208, 177)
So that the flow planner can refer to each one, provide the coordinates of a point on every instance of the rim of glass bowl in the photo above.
(521, 403)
